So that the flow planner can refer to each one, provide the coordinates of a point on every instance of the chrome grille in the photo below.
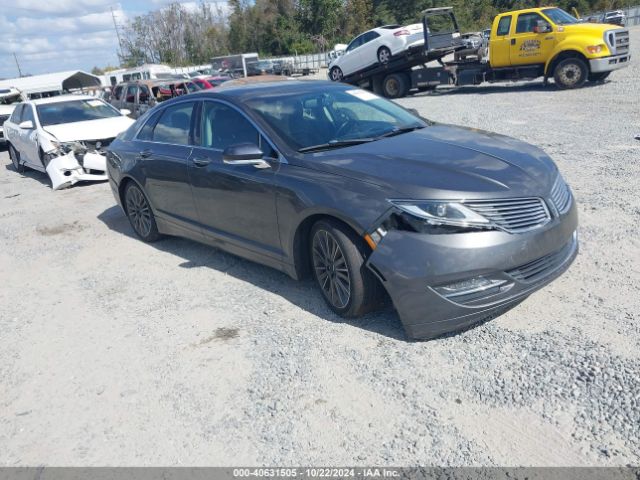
(544, 266)
(512, 215)
(561, 195)
(619, 41)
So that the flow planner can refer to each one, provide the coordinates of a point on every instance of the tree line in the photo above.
(179, 36)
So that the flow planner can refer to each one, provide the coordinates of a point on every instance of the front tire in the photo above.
(140, 214)
(338, 263)
(570, 73)
(336, 74)
(15, 159)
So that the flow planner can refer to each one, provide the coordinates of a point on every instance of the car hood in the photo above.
(89, 130)
(443, 161)
(589, 28)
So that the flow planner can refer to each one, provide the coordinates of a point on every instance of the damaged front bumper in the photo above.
(67, 170)
(443, 283)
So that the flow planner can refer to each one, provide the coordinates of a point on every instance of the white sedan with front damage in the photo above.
(64, 136)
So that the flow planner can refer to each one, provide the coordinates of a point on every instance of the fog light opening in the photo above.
(475, 285)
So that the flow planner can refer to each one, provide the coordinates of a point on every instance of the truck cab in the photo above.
(555, 44)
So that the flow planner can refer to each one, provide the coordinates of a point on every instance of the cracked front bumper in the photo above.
(411, 266)
(66, 170)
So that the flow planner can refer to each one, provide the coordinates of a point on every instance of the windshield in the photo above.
(559, 16)
(339, 116)
(75, 111)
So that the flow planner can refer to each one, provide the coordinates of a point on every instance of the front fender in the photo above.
(574, 46)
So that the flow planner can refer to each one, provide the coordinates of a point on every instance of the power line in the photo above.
(17, 64)
(115, 26)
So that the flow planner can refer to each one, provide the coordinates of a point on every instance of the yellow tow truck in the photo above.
(523, 44)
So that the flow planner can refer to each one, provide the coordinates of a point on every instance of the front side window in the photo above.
(223, 126)
(528, 21)
(308, 119)
(174, 125)
(117, 94)
(504, 25)
(131, 94)
(75, 111)
(27, 114)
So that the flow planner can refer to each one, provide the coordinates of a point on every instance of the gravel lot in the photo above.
(114, 352)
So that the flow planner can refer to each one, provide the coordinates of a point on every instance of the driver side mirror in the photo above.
(244, 154)
(542, 27)
(26, 125)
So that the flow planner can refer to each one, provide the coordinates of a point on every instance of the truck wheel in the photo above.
(384, 55)
(570, 73)
(395, 85)
(598, 77)
(336, 74)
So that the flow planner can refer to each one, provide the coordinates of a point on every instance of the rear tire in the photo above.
(384, 55)
(15, 159)
(570, 73)
(395, 85)
(336, 74)
(140, 214)
(338, 263)
(599, 76)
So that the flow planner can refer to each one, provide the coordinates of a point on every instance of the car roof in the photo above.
(61, 98)
(251, 90)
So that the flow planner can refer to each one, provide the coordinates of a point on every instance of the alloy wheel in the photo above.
(139, 211)
(331, 269)
(384, 55)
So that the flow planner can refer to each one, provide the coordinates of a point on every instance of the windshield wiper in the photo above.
(335, 144)
(399, 131)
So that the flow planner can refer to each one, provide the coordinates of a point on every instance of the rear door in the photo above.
(500, 43)
(527, 47)
(164, 145)
(236, 203)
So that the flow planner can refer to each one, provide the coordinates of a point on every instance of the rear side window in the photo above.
(144, 94)
(504, 25)
(146, 132)
(174, 125)
(17, 114)
(369, 36)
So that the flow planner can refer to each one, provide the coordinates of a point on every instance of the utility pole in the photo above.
(115, 25)
(17, 64)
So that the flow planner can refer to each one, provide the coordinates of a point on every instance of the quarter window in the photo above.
(223, 126)
(504, 25)
(174, 125)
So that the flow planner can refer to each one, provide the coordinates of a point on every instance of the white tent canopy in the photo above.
(53, 82)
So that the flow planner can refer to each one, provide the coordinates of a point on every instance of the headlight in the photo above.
(440, 217)
(66, 147)
(593, 49)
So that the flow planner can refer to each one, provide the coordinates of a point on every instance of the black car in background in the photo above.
(329, 180)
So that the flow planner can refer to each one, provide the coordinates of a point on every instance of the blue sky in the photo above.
(55, 35)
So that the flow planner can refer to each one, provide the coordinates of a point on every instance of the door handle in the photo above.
(146, 153)
(201, 161)
(513, 41)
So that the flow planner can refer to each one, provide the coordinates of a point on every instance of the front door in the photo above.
(527, 46)
(236, 203)
(499, 43)
(164, 145)
(350, 60)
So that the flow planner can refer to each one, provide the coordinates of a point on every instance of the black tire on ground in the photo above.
(598, 77)
(395, 85)
(336, 74)
(570, 73)
(140, 214)
(338, 263)
(15, 159)
(384, 55)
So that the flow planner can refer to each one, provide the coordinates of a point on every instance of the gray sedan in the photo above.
(323, 179)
